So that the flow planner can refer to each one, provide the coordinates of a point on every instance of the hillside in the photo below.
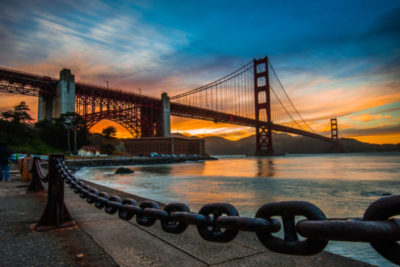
(285, 143)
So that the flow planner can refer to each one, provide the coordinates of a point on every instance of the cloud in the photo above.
(120, 48)
(367, 117)
(179, 46)
(339, 98)
(207, 128)
(382, 130)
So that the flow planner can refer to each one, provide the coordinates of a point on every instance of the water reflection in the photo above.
(341, 185)
(162, 169)
(265, 167)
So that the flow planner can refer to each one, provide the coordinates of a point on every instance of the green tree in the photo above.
(19, 114)
(13, 129)
(55, 133)
(110, 131)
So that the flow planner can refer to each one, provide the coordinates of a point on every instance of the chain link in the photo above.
(172, 226)
(290, 244)
(220, 222)
(383, 209)
(127, 211)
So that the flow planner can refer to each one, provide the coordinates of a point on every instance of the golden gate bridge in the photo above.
(251, 96)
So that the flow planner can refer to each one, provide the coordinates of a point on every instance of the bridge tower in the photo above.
(336, 146)
(262, 107)
(334, 130)
(63, 101)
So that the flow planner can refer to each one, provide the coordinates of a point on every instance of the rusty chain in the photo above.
(220, 222)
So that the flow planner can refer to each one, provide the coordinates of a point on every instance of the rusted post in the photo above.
(56, 214)
(36, 184)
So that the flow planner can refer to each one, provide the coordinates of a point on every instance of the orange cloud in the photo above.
(367, 117)
(317, 100)
(207, 128)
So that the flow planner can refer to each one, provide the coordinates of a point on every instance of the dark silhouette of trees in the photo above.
(55, 133)
(19, 114)
(46, 136)
(110, 131)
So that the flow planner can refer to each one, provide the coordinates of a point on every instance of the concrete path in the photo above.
(100, 239)
(21, 246)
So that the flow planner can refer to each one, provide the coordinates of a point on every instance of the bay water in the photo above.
(341, 185)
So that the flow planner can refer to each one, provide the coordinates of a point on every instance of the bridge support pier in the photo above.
(62, 102)
(45, 108)
(166, 115)
(262, 108)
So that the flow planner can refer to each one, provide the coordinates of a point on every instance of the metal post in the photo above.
(56, 214)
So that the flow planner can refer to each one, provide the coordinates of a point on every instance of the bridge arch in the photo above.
(135, 125)
(120, 125)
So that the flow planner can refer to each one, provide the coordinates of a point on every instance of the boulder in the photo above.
(123, 170)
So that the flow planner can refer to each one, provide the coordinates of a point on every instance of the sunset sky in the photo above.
(335, 58)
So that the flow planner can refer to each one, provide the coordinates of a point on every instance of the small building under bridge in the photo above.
(164, 145)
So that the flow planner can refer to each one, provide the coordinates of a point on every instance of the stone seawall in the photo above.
(75, 165)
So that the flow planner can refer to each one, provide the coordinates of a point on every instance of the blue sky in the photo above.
(335, 58)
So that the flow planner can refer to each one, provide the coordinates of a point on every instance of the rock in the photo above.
(123, 170)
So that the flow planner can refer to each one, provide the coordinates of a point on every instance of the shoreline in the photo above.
(75, 165)
(246, 239)
(103, 239)
(287, 174)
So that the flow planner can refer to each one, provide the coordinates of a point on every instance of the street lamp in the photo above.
(70, 124)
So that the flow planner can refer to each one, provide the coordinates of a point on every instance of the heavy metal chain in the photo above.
(36, 167)
(220, 222)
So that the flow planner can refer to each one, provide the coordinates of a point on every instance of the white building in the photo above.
(89, 151)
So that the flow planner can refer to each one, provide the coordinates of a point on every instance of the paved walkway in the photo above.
(100, 239)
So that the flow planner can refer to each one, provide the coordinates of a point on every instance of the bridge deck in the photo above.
(181, 110)
(17, 82)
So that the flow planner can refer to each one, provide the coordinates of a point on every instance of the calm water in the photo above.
(342, 185)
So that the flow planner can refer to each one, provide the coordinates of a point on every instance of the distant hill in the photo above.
(285, 143)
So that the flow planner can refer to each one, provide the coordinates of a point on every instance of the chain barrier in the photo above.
(55, 214)
(220, 222)
(38, 168)
(37, 176)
